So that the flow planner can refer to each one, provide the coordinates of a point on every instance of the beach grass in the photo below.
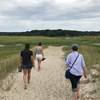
(12, 45)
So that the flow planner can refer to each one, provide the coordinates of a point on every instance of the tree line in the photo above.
(52, 33)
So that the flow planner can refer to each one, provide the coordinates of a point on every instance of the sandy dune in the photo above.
(48, 84)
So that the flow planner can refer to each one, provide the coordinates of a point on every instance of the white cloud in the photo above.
(19, 15)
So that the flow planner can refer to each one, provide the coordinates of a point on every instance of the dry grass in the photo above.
(8, 65)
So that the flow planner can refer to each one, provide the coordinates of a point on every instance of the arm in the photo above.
(34, 52)
(67, 61)
(32, 60)
(20, 60)
(84, 68)
(32, 57)
(42, 53)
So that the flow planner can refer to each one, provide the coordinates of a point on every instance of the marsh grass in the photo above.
(49, 40)
(8, 65)
(91, 55)
(9, 54)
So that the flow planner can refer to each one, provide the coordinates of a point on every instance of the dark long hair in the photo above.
(40, 44)
(27, 46)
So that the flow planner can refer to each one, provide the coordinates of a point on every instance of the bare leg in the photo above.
(74, 96)
(29, 75)
(39, 65)
(78, 91)
(25, 73)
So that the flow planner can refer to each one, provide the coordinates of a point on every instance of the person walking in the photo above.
(39, 54)
(27, 62)
(76, 65)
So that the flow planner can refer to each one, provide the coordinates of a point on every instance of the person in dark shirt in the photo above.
(27, 62)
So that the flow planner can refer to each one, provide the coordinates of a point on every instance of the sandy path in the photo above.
(48, 84)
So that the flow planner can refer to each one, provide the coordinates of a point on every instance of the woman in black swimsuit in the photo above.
(27, 62)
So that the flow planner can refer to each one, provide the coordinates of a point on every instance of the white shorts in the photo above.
(39, 56)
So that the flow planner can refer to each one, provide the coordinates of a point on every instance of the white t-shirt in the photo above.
(77, 68)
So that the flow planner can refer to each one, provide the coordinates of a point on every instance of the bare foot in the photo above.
(25, 86)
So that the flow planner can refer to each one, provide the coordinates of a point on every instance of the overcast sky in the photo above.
(23, 15)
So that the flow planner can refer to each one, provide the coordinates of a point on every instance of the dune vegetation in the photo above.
(10, 47)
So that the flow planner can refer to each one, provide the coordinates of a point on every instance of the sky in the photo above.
(26, 15)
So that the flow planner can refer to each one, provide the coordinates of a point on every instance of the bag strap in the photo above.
(74, 61)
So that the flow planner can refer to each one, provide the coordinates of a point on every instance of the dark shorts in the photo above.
(74, 81)
(27, 66)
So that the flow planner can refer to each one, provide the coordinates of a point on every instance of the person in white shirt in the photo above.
(39, 54)
(77, 70)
